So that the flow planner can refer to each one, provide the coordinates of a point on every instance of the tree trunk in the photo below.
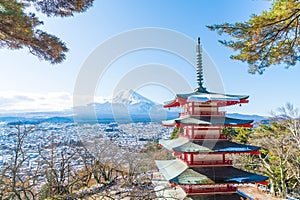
(282, 183)
(272, 188)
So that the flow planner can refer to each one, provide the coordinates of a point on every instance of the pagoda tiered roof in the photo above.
(177, 172)
(208, 120)
(184, 145)
(171, 168)
(234, 196)
(205, 97)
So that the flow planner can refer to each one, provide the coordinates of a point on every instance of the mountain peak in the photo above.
(130, 97)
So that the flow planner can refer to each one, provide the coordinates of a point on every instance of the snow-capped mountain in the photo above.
(130, 97)
(127, 105)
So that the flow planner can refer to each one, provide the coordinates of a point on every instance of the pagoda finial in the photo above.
(200, 88)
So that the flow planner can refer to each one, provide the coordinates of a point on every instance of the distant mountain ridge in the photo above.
(126, 106)
(256, 118)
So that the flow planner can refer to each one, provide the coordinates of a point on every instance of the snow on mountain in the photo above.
(126, 105)
(130, 97)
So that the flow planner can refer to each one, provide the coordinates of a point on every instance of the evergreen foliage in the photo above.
(18, 29)
(176, 132)
(267, 39)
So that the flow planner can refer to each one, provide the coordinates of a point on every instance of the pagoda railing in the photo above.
(208, 163)
(205, 137)
(203, 113)
(198, 189)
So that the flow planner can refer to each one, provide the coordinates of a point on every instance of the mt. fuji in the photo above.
(128, 105)
(130, 97)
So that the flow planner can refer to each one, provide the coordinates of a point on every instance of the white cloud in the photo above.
(14, 101)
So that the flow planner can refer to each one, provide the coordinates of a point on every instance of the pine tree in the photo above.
(18, 29)
(267, 39)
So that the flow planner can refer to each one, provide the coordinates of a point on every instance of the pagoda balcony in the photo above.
(203, 113)
(208, 163)
(208, 189)
(205, 137)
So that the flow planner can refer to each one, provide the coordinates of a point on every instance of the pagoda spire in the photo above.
(200, 82)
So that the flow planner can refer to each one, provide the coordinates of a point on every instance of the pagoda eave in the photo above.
(180, 125)
(179, 101)
(230, 103)
(263, 183)
(206, 189)
(172, 104)
(256, 152)
(176, 102)
(238, 125)
(168, 125)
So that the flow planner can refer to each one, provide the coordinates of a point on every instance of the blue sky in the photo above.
(27, 83)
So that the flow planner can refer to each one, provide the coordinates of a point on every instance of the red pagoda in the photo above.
(201, 167)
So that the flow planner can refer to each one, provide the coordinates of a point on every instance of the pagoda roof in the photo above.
(170, 144)
(232, 196)
(182, 144)
(176, 171)
(204, 96)
(217, 175)
(206, 120)
(190, 176)
(171, 168)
